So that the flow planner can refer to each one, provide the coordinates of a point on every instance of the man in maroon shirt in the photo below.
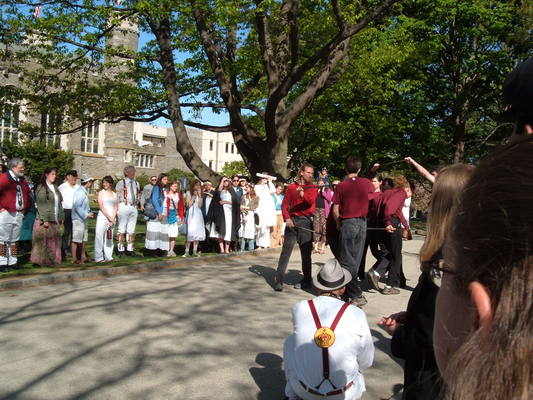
(14, 202)
(350, 209)
(297, 208)
(391, 216)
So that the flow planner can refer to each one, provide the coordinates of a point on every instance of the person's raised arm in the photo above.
(424, 172)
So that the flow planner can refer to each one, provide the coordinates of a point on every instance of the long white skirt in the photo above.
(157, 235)
(263, 236)
(195, 224)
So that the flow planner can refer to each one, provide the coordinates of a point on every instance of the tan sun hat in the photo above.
(331, 276)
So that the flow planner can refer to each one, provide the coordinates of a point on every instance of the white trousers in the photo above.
(127, 221)
(103, 247)
(10, 226)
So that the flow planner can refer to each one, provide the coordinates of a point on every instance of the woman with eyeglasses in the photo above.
(412, 330)
(483, 317)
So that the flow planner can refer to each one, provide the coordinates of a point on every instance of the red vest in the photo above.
(8, 192)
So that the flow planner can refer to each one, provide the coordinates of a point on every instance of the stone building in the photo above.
(105, 149)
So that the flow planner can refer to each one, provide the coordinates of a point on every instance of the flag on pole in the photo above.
(37, 11)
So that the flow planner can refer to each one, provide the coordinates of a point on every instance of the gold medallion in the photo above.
(324, 337)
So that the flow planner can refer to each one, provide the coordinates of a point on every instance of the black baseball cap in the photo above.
(518, 93)
(72, 172)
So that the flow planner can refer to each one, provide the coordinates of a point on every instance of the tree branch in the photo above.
(206, 127)
(329, 52)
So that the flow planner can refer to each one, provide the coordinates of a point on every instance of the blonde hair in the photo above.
(445, 197)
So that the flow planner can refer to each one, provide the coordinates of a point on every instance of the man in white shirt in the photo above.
(67, 190)
(129, 195)
(331, 344)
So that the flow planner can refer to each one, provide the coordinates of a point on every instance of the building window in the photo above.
(211, 145)
(155, 141)
(232, 148)
(10, 122)
(211, 164)
(50, 128)
(89, 137)
(144, 160)
(227, 147)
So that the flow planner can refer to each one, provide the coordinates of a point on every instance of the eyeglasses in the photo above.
(436, 269)
(235, 180)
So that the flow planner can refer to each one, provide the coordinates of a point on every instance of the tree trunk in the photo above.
(459, 133)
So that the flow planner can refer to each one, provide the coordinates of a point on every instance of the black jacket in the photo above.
(215, 215)
(413, 341)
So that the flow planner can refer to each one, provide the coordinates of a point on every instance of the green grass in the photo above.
(27, 268)
(417, 224)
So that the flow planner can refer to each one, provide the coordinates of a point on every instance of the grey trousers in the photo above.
(352, 242)
(304, 239)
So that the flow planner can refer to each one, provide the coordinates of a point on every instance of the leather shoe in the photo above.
(373, 279)
(358, 301)
(390, 290)
(278, 287)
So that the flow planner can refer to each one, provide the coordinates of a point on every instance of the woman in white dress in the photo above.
(249, 203)
(157, 242)
(173, 209)
(195, 219)
(105, 221)
(266, 211)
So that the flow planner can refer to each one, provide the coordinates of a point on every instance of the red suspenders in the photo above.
(325, 337)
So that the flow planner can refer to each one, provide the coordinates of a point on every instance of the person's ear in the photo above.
(481, 299)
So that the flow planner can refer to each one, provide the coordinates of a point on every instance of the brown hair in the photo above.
(353, 165)
(445, 197)
(494, 233)
(193, 183)
(174, 182)
(401, 182)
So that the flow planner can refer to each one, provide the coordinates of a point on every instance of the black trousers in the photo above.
(304, 239)
(67, 231)
(352, 240)
(372, 242)
(391, 256)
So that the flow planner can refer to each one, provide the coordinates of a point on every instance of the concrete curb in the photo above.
(95, 273)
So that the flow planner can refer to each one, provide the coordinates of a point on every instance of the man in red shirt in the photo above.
(14, 202)
(392, 218)
(297, 208)
(350, 210)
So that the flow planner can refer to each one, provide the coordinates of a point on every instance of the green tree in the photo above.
(270, 59)
(395, 98)
(39, 155)
(235, 168)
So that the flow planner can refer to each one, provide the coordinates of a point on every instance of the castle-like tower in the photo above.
(119, 141)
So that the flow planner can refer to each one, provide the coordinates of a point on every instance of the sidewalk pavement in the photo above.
(206, 330)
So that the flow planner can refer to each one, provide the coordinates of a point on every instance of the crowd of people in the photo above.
(235, 215)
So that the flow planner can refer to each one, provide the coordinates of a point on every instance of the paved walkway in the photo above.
(208, 331)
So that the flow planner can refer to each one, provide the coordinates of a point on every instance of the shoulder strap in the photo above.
(325, 352)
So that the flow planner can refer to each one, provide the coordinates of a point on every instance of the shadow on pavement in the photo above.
(270, 378)
(383, 344)
(268, 273)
